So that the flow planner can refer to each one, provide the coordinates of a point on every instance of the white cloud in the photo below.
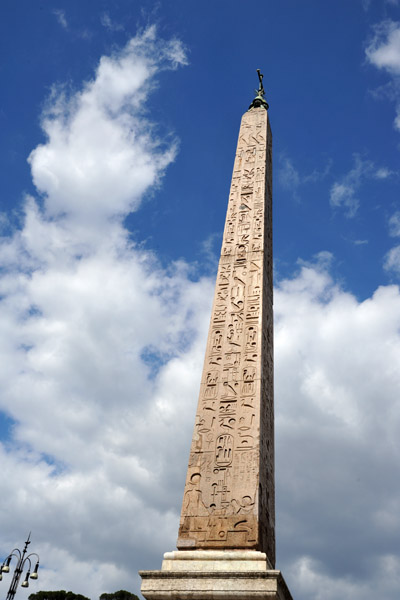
(366, 4)
(394, 224)
(392, 260)
(107, 22)
(120, 438)
(100, 133)
(61, 18)
(337, 417)
(397, 119)
(319, 585)
(344, 193)
(291, 179)
(98, 342)
(383, 51)
(384, 173)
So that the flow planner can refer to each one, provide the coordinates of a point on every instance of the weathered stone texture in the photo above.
(211, 575)
(229, 493)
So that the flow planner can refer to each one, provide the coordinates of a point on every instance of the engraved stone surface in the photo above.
(229, 493)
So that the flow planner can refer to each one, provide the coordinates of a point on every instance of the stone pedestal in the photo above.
(214, 574)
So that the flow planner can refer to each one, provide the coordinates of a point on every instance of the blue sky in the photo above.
(119, 124)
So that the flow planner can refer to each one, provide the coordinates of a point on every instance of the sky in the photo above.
(119, 123)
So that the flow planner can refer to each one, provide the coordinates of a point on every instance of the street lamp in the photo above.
(22, 559)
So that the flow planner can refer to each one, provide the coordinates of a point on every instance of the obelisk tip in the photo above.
(259, 100)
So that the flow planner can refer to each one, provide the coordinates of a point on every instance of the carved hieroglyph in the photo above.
(229, 493)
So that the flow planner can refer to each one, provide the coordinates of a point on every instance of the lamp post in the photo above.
(21, 561)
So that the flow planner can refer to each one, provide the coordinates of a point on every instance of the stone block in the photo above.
(212, 575)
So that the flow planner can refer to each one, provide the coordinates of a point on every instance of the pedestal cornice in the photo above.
(211, 575)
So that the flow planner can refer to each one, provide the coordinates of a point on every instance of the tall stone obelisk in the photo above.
(226, 536)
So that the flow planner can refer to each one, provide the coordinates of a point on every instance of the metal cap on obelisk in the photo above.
(259, 100)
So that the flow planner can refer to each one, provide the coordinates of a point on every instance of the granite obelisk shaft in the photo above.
(229, 494)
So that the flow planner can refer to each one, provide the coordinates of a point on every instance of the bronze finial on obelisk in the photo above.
(259, 100)
(226, 540)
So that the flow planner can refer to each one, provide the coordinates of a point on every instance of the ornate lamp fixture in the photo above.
(21, 561)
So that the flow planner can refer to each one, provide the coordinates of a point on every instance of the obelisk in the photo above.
(229, 494)
(226, 541)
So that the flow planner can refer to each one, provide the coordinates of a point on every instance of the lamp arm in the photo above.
(23, 564)
(34, 554)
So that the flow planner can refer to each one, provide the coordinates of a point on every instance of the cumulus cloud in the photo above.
(100, 133)
(98, 342)
(383, 51)
(337, 418)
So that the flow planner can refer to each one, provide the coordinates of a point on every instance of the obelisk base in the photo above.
(214, 574)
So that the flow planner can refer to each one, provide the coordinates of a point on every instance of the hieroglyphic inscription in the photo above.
(229, 494)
